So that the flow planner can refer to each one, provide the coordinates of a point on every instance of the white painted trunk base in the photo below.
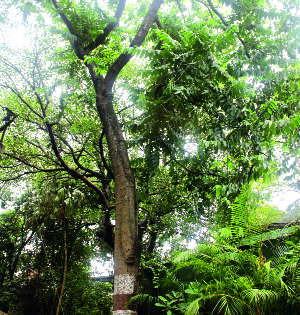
(126, 312)
(124, 284)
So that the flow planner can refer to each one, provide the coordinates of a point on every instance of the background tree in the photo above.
(53, 222)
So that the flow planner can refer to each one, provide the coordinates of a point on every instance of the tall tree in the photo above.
(126, 251)
(199, 63)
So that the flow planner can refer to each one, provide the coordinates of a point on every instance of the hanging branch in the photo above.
(102, 12)
(76, 160)
(184, 167)
(213, 8)
(39, 146)
(217, 12)
(4, 127)
(17, 70)
(38, 169)
(158, 23)
(125, 108)
(75, 174)
(18, 176)
(16, 92)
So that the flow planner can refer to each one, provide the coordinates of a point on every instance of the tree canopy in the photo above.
(144, 118)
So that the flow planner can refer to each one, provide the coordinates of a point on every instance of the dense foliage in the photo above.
(32, 253)
(208, 103)
(218, 279)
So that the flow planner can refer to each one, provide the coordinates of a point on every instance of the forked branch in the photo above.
(138, 40)
(102, 37)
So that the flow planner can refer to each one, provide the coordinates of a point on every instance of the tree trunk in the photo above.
(126, 249)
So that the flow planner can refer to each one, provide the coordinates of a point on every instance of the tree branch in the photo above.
(179, 6)
(46, 95)
(107, 233)
(157, 21)
(65, 18)
(4, 127)
(16, 69)
(102, 12)
(19, 176)
(32, 165)
(39, 146)
(226, 24)
(75, 174)
(87, 170)
(121, 110)
(33, 70)
(208, 8)
(184, 167)
(139, 38)
(102, 37)
(16, 92)
(109, 171)
(80, 52)
(217, 12)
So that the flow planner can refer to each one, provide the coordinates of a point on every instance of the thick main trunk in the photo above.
(126, 251)
(126, 248)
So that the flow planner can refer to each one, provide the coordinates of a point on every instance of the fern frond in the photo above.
(278, 255)
(184, 256)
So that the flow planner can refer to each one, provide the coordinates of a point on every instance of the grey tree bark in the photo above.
(126, 249)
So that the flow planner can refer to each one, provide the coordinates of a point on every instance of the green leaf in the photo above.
(159, 304)
(189, 291)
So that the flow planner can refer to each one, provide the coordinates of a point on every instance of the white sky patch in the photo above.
(18, 38)
(285, 198)
(190, 147)
(101, 268)
(192, 244)
(17, 192)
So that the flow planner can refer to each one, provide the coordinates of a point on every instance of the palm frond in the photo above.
(194, 307)
(230, 305)
(259, 297)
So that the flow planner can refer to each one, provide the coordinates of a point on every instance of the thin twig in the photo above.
(180, 8)
(208, 8)
(226, 24)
